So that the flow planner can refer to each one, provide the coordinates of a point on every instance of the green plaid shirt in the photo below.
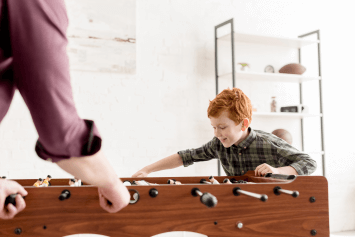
(258, 148)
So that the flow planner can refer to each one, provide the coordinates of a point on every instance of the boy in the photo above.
(238, 146)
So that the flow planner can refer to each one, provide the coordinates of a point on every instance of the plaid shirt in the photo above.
(258, 148)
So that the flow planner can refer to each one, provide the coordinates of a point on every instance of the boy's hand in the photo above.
(8, 187)
(263, 169)
(140, 173)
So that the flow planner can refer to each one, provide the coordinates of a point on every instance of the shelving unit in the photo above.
(295, 43)
(278, 77)
(269, 40)
(286, 115)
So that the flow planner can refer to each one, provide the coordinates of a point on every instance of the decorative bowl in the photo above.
(293, 68)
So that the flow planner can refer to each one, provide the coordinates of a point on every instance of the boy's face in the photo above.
(226, 130)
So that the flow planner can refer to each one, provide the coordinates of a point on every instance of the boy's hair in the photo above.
(235, 102)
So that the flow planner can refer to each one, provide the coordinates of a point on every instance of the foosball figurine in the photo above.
(38, 183)
(71, 182)
(78, 182)
(213, 180)
(173, 181)
(204, 181)
(46, 181)
(227, 181)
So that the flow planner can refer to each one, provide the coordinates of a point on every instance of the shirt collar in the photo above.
(249, 140)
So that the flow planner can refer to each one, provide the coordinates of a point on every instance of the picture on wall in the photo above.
(102, 35)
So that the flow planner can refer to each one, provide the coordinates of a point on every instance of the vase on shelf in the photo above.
(273, 104)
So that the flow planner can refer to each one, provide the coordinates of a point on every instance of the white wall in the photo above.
(162, 109)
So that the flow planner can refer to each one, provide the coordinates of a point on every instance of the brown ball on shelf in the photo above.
(283, 134)
(293, 68)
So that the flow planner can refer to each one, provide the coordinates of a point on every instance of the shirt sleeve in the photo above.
(204, 153)
(41, 74)
(300, 161)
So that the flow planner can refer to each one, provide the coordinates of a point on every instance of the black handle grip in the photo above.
(280, 176)
(209, 200)
(64, 195)
(11, 199)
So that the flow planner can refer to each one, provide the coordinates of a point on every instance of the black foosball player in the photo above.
(34, 61)
(239, 147)
(173, 181)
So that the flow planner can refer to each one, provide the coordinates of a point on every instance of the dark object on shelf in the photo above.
(293, 68)
(269, 69)
(294, 109)
(283, 134)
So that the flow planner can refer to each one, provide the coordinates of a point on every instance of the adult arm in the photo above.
(41, 74)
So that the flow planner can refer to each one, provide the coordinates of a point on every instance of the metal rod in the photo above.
(286, 191)
(232, 45)
(320, 97)
(258, 196)
(216, 73)
(216, 65)
(300, 85)
(278, 189)
(321, 102)
(310, 33)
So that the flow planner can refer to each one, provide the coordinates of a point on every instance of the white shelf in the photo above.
(279, 77)
(268, 40)
(343, 234)
(285, 115)
(314, 152)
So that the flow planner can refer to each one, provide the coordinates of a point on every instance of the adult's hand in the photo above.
(8, 187)
(114, 198)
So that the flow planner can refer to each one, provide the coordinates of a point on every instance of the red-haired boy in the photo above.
(239, 147)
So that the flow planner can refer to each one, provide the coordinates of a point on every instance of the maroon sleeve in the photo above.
(41, 74)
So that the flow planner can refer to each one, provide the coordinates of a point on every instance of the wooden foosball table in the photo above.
(274, 205)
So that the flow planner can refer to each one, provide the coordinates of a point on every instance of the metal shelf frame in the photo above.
(317, 32)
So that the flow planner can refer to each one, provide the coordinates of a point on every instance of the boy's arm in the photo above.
(169, 162)
(290, 158)
(289, 170)
(185, 157)
(263, 169)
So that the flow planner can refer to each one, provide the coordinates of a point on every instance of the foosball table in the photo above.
(247, 205)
